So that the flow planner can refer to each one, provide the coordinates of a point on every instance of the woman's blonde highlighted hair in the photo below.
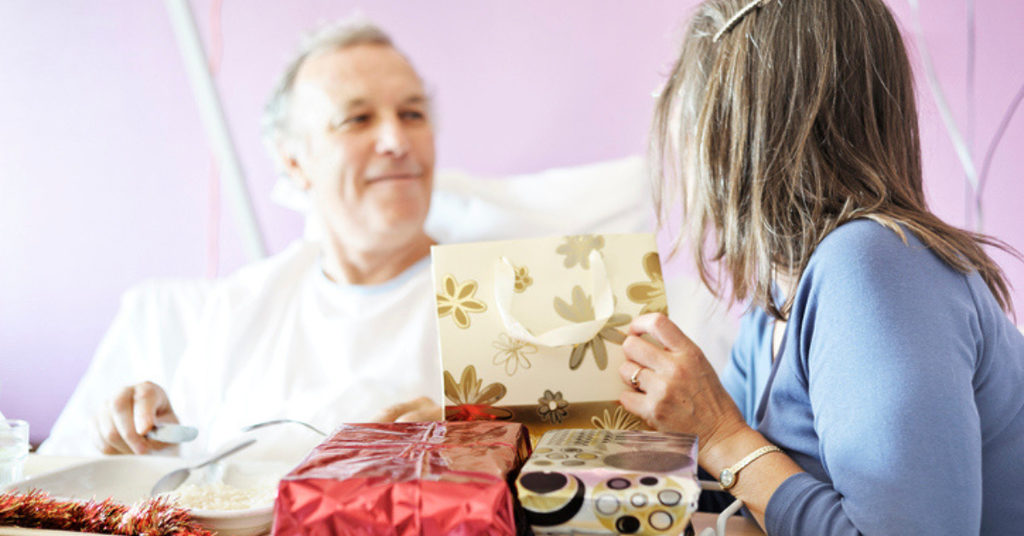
(799, 118)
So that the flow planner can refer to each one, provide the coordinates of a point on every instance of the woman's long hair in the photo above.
(800, 118)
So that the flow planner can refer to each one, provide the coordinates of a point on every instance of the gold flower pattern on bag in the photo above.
(523, 279)
(458, 301)
(650, 294)
(582, 310)
(620, 419)
(512, 353)
(577, 249)
(552, 407)
(468, 392)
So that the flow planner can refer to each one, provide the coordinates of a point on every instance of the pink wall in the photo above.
(104, 167)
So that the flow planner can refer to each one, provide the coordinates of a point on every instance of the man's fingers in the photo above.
(121, 425)
(392, 413)
(105, 436)
(122, 409)
(433, 413)
(662, 329)
(149, 400)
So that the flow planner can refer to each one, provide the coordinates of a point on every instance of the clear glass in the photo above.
(13, 449)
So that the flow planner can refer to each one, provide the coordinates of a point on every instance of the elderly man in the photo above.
(339, 330)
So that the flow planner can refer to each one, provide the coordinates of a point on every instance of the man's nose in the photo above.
(392, 139)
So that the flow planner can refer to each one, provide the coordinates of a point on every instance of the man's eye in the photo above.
(413, 115)
(351, 121)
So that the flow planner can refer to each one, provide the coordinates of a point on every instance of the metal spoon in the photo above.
(172, 480)
(282, 421)
(172, 433)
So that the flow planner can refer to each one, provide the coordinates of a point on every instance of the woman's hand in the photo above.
(676, 388)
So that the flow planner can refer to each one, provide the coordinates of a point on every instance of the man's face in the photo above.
(365, 147)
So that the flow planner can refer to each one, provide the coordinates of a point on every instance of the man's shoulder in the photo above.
(280, 272)
(297, 257)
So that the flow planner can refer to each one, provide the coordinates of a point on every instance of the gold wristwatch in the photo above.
(727, 478)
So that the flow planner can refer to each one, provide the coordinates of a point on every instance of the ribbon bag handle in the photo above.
(576, 333)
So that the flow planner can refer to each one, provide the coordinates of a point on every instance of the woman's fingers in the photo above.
(636, 375)
(662, 329)
(642, 353)
(649, 365)
(646, 406)
(636, 403)
(674, 387)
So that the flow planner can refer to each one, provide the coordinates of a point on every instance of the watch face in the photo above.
(726, 479)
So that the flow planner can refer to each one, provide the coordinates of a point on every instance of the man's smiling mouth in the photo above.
(393, 177)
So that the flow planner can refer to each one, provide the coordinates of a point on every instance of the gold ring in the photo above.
(634, 380)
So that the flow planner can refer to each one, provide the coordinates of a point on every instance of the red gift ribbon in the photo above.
(478, 412)
(473, 412)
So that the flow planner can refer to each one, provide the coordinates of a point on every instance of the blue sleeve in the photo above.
(740, 377)
(886, 337)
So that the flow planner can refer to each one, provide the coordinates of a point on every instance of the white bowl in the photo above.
(128, 479)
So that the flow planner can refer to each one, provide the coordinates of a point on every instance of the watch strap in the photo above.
(727, 478)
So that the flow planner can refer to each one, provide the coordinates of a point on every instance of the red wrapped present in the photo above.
(405, 478)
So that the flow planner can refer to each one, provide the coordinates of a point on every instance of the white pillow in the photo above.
(605, 197)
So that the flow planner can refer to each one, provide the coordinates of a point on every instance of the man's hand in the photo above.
(121, 425)
(420, 409)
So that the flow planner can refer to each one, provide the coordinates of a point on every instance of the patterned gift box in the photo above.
(531, 330)
(405, 479)
(610, 482)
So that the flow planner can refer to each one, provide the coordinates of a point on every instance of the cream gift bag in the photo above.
(531, 330)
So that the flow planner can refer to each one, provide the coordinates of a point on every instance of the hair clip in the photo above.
(738, 17)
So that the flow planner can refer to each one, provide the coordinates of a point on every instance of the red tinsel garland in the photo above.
(152, 517)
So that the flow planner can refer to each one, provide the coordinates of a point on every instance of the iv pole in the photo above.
(212, 115)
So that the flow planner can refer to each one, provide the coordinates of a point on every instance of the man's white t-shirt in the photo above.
(278, 339)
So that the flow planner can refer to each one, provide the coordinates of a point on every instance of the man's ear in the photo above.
(287, 152)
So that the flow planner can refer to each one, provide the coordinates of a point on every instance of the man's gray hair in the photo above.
(341, 34)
